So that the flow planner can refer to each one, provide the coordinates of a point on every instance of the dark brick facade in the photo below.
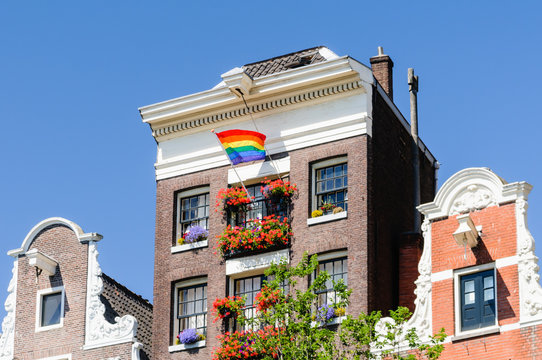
(380, 210)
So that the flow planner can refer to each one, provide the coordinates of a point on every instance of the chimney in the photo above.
(382, 70)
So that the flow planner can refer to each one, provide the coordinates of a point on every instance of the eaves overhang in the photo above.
(294, 85)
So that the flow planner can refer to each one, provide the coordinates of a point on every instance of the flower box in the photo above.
(183, 347)
(270, 233)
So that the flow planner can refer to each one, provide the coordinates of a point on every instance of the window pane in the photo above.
(50, 313)
(470, 298)
(320, 174)
(488, 294)
(338, 183)
(469, 286)
(488, 282)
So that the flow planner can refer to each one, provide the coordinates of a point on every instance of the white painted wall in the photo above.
(287, 128)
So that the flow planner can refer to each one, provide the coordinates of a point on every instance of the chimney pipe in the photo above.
(413, 89)
(382, 67)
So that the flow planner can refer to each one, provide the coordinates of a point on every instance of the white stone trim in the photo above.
(39, 298)
(42, 262)
(259, 170)
(188, 247)
(507, 261)
(457, 297)
(136, 348)
(449, 274)
(442, 275)
(471, 189)
(183, 347)
(327, 218)
(255, 262)
(58, 357)
(530, 291)
(7, 339)
(98, 331)
(81, 235)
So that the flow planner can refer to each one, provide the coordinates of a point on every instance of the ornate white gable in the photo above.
(8, 324)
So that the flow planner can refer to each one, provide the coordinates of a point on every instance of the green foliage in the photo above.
(299, 336)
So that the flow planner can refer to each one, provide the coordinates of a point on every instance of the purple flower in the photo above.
(195, 233)
(189, 336)
(325, 313)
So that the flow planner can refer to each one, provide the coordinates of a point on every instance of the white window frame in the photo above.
(39, 297)
(186, 193)
(314, 206)
(457, 302)
(182, 284)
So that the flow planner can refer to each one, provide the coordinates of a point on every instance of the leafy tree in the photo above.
(290, 324)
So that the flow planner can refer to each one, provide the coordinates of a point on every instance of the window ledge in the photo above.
(327, 218)
(188, 247)
(334, 321)
(478, 332)
(183, 347)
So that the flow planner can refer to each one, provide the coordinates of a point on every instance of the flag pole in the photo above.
(273, 164)
(231, 164)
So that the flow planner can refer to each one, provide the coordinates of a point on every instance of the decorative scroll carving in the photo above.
(530, 291)
(99, 332)
(472, 198)
(8, 324)
(421, 319)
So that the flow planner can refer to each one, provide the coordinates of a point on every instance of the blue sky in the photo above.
(73, 74)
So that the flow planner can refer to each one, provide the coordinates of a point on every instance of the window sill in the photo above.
(188, 247)
(327, 218)
(184, 347)
(334, 321)
(477, 332)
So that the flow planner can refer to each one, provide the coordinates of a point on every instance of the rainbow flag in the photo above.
(242, 145)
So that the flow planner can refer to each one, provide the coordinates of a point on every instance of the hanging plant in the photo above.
(278, 189)
(234, 199)
(228, 307)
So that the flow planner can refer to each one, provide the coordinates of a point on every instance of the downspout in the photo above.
(413, 89)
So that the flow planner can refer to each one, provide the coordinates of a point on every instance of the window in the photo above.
(337, 268)
(260, 206)
(192, 209)
(248, 288)
(190, 306)
(50, 308)
(477, 300)
(475, 290)
(330, 183)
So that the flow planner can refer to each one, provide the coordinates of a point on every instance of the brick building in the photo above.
(478, 272)
(61, 306)
(333, 129)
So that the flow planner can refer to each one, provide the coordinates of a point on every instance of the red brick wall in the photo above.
(498, 241)
(60, 243)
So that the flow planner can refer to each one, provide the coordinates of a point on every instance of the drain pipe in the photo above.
(413, 89)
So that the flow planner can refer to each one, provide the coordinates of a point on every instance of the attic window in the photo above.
(302, 60)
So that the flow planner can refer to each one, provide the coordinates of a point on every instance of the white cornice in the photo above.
(471, 189)
(268, 92)
(81, 235)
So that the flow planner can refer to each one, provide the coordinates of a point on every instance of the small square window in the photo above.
(190, 306)
(475, 301)
(330, 183)
(192, 210)
(50, 309)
